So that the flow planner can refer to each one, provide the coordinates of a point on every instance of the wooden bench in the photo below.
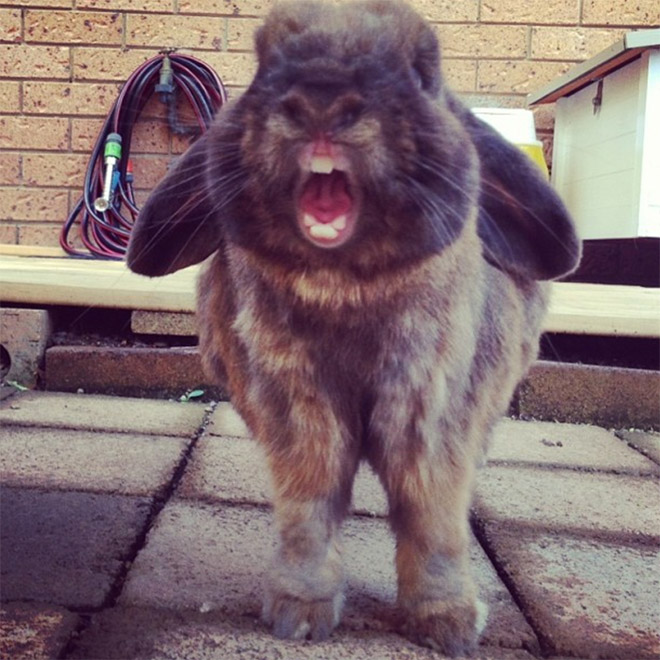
(45, 276)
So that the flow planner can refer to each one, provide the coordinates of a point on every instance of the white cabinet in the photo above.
(606, 156)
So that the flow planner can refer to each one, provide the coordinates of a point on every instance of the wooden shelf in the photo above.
(93, 283)
(592, 309)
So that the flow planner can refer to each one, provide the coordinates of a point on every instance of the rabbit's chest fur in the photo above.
(415, 345)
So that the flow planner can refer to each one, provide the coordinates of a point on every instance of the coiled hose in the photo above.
(106, 211)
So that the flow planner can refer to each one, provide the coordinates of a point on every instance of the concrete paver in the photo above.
(565, 445)
(62, 459)
(647, 443)
(33, 631)
(568, 517)
(212, 557)
(233, 469)
(65, 548)
(132, 633)
(600, 504)
(587, 598)
(102, 413)
(226, 421)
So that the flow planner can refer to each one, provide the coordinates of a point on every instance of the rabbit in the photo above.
(375, 288)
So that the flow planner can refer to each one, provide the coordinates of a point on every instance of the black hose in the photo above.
(105, 231)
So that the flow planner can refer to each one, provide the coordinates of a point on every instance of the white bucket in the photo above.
(517, 126)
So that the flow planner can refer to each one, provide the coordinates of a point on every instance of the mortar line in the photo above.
(160, 499)
(545, 645)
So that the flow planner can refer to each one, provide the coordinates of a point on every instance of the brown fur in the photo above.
(401, 347)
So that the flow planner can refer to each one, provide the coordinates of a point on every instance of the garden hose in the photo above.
(106, 211)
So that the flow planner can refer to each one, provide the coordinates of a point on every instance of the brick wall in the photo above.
(62, 62)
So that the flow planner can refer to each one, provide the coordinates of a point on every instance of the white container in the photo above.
(517, 126)
(606, 156)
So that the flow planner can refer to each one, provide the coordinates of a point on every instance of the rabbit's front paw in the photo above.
(449, 627)
(294, 618)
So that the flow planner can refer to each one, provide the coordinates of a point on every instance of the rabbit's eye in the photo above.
(292, 108)
(349, 113)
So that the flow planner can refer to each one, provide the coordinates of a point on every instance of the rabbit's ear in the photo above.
(176, 227)
(523, 224)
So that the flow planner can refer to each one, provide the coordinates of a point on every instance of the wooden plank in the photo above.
(93, 283)
(31, 250)
(575, 308)
(604, 309)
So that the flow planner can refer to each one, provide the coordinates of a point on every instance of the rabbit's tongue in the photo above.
(326, 196)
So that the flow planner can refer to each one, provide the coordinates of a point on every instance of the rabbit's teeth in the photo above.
(309, 220)
(323, 231)
(322, 164)
(339, 223)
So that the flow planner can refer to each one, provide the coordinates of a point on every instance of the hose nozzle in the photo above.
(112, 155)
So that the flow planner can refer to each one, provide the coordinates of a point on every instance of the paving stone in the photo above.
(132, 633)
(200, 556)
(61, 459)
(6, 391)
(234, 469)
(597, 504)
(102, 413)
(226, 469)
(645, 442)
(34, 631)
(65, 548)
(586, 598)
(226, 421)
(565, 445)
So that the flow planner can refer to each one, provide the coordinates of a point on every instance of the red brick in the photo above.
(47, 3)
(644, 13)
(44, 204)
(10, 25)
(8, 234)
(10, 169)
(460, 75)
(532, 11)
(43, 133)
(165, 31)
(128, 5)
(483, 40)
(73, 27)
(28, 61)
(226, 7)
(40, 234)
(84, 133)
(106, 64)
(517, 77)
(69, 98)
(55, 169)
(149, 170)
(10, 99)
(571, 43)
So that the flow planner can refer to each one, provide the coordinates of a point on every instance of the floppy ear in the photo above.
(176, 227)
(523, 224)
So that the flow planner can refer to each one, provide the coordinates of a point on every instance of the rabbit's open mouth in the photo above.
(326, 208)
